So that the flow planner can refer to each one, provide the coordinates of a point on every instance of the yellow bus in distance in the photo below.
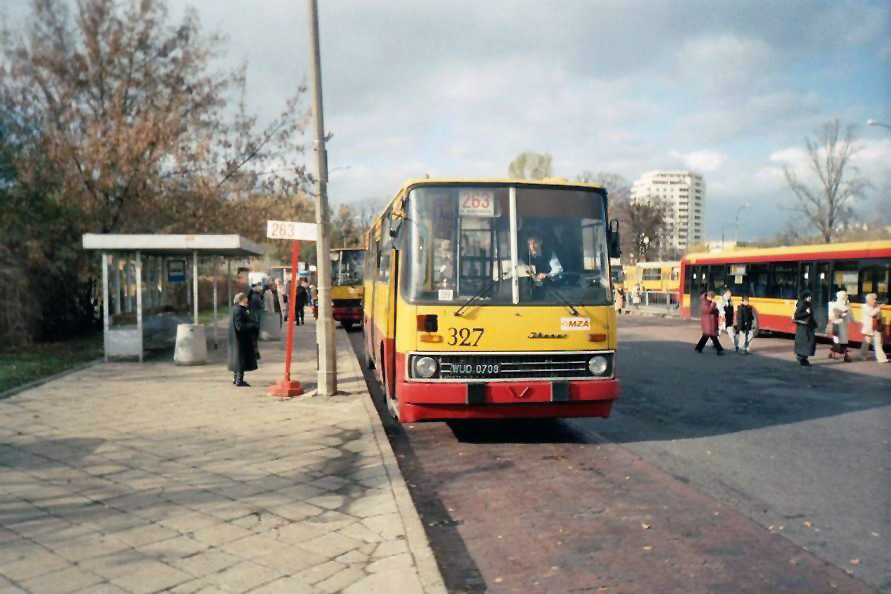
(662, 277)
(347, 286)
(491, 299)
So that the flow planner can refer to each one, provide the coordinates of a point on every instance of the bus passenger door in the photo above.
(822, 297)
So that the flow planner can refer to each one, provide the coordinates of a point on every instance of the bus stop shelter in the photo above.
(136, 270)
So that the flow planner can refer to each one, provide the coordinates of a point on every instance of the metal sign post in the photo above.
(287, 387)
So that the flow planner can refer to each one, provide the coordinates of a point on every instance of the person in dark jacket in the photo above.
(242, 332)
(256, 307)
(302, 298)
(805, 329)
(745, 324)
(708, 319)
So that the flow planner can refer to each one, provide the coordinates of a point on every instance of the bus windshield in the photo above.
(460, 244)
(348, 267)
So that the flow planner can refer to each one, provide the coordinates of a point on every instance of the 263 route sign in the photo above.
(476, 203)
(291, 230)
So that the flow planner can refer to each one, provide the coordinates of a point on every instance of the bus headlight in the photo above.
(598, 365)
(425, 367)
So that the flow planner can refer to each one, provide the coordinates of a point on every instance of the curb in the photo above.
(45, 380)
(415, 536)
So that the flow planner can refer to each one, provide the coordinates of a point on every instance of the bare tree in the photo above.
(529, 165)
(642, 223)
(827, 207)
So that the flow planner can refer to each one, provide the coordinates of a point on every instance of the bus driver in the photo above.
(541, 258)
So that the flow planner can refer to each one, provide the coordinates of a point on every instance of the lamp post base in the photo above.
(286, 389)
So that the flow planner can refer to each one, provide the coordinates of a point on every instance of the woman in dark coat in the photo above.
(242, 331)
(708, 319)
(805, 329)
(256, 311)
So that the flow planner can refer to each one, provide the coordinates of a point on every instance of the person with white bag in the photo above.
(871, 326)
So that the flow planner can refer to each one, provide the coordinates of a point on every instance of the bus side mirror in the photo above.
(612, 237)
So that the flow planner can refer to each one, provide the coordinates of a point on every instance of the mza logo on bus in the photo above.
(575, 323)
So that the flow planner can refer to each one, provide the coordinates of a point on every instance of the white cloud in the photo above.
(702, 161)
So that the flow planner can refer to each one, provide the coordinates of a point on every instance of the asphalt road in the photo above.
(803, 452)
(748, 474)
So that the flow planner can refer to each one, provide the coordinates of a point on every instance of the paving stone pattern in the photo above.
(146, 478)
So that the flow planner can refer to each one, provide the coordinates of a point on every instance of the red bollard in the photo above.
(286, 387)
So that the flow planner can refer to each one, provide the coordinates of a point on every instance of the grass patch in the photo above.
(20, 366)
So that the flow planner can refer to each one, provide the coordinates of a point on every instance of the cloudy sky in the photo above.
(458, 88)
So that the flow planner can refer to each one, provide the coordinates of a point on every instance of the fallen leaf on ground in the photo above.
(855, 561)
(498, 580)
(806, 524)
(645, 526)
(648, 548)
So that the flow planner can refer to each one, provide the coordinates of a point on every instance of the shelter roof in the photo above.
(174, 245)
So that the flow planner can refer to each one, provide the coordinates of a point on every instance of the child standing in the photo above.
(744, 320)
(725, 306)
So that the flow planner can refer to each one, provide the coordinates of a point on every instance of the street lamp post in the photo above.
(327, 351)
(875, 123)
(723, 227)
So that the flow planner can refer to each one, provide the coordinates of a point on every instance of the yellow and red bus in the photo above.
(347, 285)
(774, 277)
(491, 299)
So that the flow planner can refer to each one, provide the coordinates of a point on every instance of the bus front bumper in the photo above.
(420, 401)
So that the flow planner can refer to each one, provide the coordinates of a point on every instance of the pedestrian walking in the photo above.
(281, 292)
(302, 298)
(725, 318)
(745, 323)
(270, 300)
(805, 329)
(708, 319)
(635, 296)
(872, 326)
(839, 323)
(242, 333)
(255, 309)
(619, 300)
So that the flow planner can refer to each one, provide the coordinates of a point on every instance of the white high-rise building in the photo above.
(683, 194)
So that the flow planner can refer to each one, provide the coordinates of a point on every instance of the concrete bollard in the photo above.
(270, 331)
(191, 345)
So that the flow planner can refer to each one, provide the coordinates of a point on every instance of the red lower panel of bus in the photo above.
(350, 314)
(412, 413)
(420, 401)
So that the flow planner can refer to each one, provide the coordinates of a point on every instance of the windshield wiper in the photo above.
(553, 290)
(479, 295)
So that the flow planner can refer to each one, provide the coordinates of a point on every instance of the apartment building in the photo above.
(683, 194)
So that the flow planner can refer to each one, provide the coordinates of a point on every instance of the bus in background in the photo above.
(662, 277)
(774, 277)
(347, 286)
(491, 299)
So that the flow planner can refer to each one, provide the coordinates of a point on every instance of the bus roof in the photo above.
(548, 182)
(860, 249)
(658, 264)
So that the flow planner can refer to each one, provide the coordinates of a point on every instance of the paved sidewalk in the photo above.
(144, 478)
